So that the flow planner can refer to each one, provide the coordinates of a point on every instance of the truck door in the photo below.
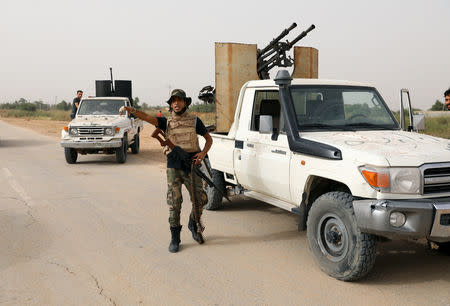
(245, 164)
(272, 149)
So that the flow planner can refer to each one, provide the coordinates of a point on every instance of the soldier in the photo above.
(182, 129)
(75, 103)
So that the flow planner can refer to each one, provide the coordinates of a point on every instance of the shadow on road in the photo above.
(243, 203)
(407, 262)
(230, 240)
(19, 143)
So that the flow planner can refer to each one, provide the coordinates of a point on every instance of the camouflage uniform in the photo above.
(175, 179)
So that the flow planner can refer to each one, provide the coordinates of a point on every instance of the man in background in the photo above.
(76, 102)
(447, 99)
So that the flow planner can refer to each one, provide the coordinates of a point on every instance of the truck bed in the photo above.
(221, 152)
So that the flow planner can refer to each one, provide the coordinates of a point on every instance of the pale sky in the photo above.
(51, 48)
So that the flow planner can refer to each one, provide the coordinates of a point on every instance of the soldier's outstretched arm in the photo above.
(139, 114)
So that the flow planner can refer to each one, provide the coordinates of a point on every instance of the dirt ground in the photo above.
(150, 148)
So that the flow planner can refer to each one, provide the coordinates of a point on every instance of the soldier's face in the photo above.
(79, 95)
(447, 102)
(178, 104)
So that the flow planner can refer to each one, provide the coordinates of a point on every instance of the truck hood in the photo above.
(386, 148)
(96, 120)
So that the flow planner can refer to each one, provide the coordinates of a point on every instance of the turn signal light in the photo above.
(376, 179)
(117, 129)
(66, 128)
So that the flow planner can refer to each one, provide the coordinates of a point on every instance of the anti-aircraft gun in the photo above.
(274, 54)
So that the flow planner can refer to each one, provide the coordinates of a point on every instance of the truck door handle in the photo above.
(279, 152)
(250, 145)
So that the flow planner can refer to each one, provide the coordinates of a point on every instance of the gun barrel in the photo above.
(303, 34)
(278, 38)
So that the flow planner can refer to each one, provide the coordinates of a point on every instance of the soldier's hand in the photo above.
(124, 109)
(199, 157)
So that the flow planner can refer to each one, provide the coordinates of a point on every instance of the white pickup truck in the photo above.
(333, 153)
(99, 128)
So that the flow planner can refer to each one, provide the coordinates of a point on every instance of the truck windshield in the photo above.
(340, 107)
(100, 107)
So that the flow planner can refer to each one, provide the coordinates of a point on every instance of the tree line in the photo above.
(24, 105)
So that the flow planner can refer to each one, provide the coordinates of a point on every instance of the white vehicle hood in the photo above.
(386, 148)
(93, 120)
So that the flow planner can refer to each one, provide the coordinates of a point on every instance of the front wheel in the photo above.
(71, 155)
(135, 145)
(121, 152)
(339, 248)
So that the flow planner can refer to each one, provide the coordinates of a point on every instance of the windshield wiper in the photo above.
(325, 126)
(372, 125)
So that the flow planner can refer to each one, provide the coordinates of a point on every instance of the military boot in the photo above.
(175, 242)
(192, 225)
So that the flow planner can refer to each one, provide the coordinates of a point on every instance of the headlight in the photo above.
(73, 131)
(393, 180)
(109, 131)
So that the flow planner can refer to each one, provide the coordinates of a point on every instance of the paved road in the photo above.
(96, 233)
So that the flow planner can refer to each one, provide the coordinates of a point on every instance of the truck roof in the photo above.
(271, 83)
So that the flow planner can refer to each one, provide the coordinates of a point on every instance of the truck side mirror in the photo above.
(265, 124)
(402, 112)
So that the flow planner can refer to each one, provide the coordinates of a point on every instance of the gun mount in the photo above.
(274, 54)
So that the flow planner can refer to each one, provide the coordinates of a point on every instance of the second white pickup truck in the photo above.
(99, 128)
(333, 153)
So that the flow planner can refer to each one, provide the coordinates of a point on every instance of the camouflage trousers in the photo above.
(175, 179)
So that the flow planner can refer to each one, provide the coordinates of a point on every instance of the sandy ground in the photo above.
(150, 148)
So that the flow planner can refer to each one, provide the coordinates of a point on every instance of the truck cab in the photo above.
(333, 153)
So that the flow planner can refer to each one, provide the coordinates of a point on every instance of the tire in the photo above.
(214, 196)
(71, 155)
(135, 145)
(339, 248)
(121, 152)
(444, 247)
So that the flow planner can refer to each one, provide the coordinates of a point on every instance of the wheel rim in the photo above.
(333, 237)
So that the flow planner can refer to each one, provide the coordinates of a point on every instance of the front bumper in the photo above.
(114, 143)
(425, 218)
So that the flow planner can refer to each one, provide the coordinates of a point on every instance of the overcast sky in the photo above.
(51, 48)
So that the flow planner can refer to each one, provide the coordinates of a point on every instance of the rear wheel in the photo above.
(340, 249)
(121, 152)
(214, 196)
(444, 247)
(135, 145)
(71, 155)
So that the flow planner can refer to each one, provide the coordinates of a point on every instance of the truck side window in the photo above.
(267, 102)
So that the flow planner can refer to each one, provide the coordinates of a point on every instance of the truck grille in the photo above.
(436, 180)
(91, 130)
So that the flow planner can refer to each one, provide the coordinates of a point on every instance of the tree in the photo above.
(41, 105)
(136, 103)
(437, 106)
(63, 105)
